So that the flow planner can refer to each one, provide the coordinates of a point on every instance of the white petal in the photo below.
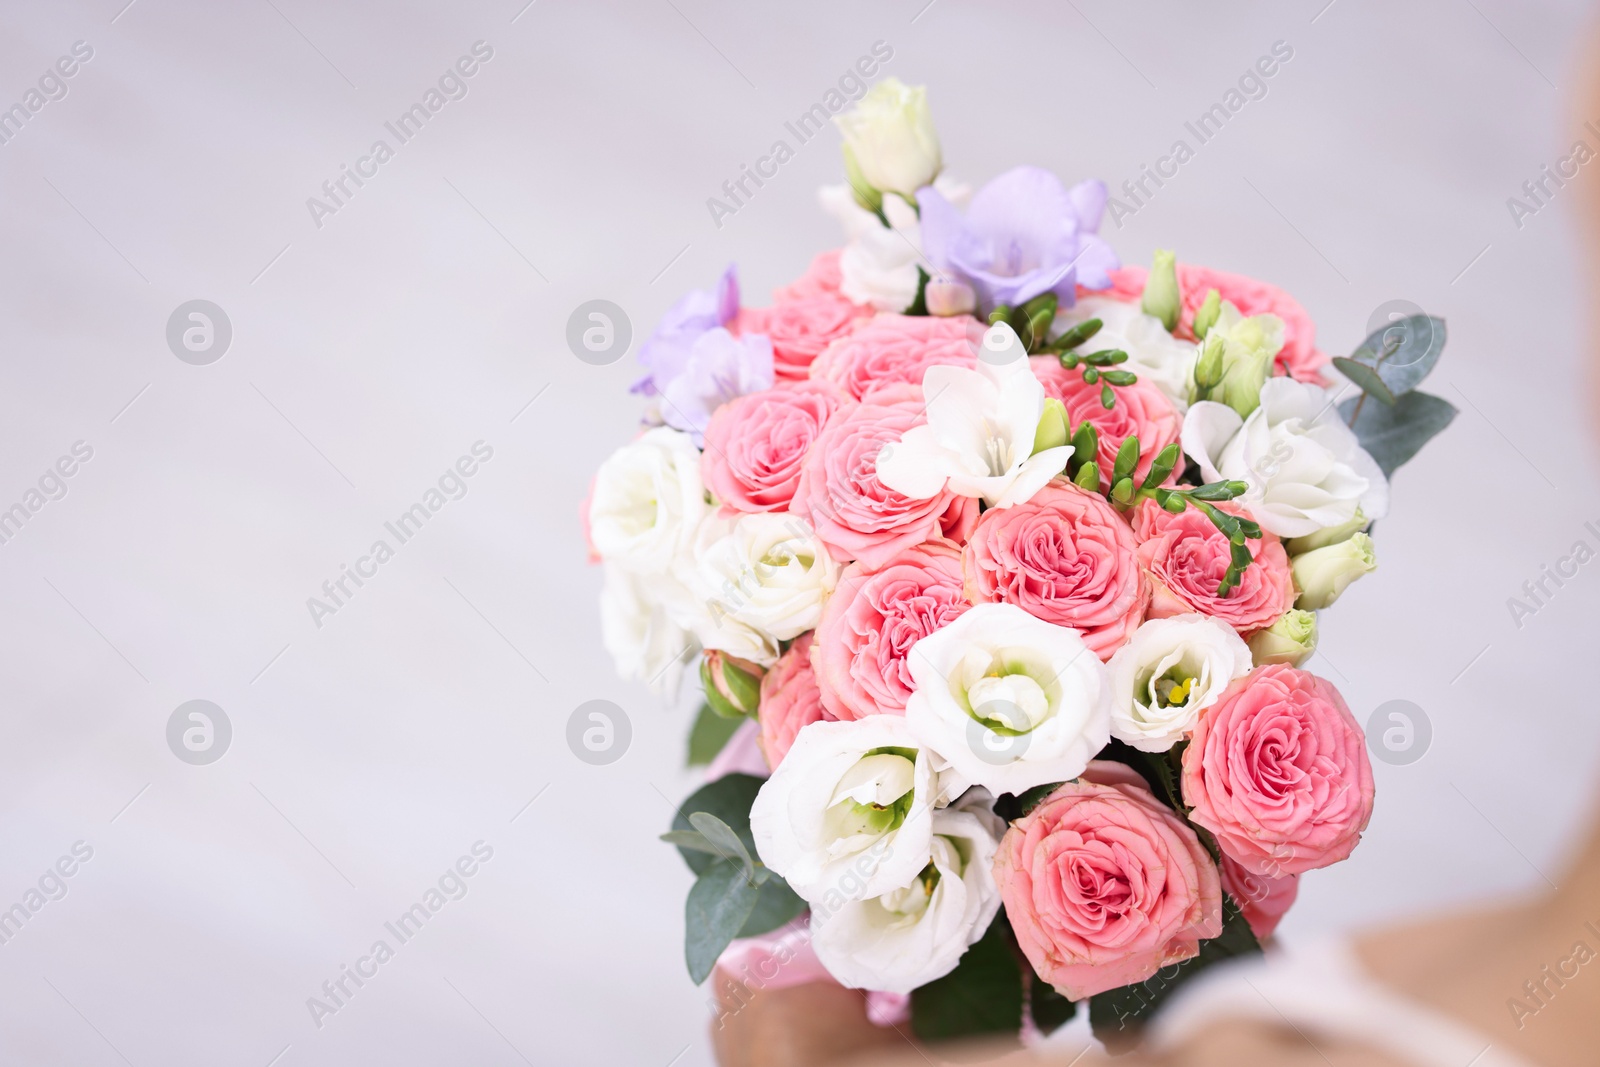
(1207, 430)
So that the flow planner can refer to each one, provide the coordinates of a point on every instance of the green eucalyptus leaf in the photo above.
(721, 837)
(720, 902)
(1403, 352)
(729, 799)
(1392, 435)
(1365, 377)
(775, 905)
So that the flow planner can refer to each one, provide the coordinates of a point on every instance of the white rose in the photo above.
(1153, 353)
(848, 814)
(757, 579)
(648, 502)
(1305, 467)
(1008, 700)
(640, 633)
(890, 133)
(1169, 671)
(907, 937)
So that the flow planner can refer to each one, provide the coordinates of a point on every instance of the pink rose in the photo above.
(1066, 557)
(1186, 556)
(1141, 411)
(756, 443)
(1105, 885)
(1277, 770)
(800, 329)
(1299, 357)
(893, 350)
(856, 516)
(790, 701)
(1263, 900)
(820, 279)
(871, 621)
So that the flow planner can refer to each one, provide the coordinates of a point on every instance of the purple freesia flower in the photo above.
(719, 367)
(666, 354)
(1023, 234)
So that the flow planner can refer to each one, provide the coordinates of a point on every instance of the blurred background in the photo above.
(370, 346)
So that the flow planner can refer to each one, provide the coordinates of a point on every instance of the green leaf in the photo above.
(919, 306)
(1029, 799)
(719, 903)
(983, 995)
(775, 905)
(1050, 1010)
(722, 838)
(1119, 1015)
(691, 839)
(1365, 377)
(729, 799)
(1403, 352)
(1392, 435)
(708, 735)
(1158, 769)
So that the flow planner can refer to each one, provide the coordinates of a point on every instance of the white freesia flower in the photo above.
(756, 579)
(909, 936)
(890, 133)
(648, 502)
(1305, 467)
(878, 266)
(1153, 353)
(979, 436)
(1008, 700)
(1168, 673)
(640, 633)
(848, 814)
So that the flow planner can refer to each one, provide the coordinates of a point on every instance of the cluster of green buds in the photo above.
(1031, 321)
(1121, 489)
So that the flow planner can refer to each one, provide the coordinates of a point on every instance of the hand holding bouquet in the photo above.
(1001, 561)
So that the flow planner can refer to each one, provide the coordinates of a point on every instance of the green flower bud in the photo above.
(1332, 535)
(1052, 432)
(1249, 347)
(1322, 574)
(1208, 368)
(869, 198)
(732, 685)
(1206, 317)
(1292, 640)
(1161, 296)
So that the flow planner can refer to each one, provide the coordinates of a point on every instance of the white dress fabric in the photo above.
(1322, 989)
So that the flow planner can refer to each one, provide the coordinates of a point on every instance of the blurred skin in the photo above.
(1465, 966)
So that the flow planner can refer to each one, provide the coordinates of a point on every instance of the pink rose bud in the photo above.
(946, 296)
(1277, 769)
(1105, 885)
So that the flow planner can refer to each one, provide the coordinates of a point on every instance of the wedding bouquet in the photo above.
(1001, 561)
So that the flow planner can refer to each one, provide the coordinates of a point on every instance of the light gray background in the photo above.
(431, 309)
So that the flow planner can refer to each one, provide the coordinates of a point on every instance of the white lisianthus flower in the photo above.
(1008, 700)
(848, 814)
(757, 579)
(909, 936)
(878, 266)
(1323, 574)
(1153, 353)
(1305, 467)
(980, 432)
(1170, 671)
(641, 633)
(890, 133)
(648, 502)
